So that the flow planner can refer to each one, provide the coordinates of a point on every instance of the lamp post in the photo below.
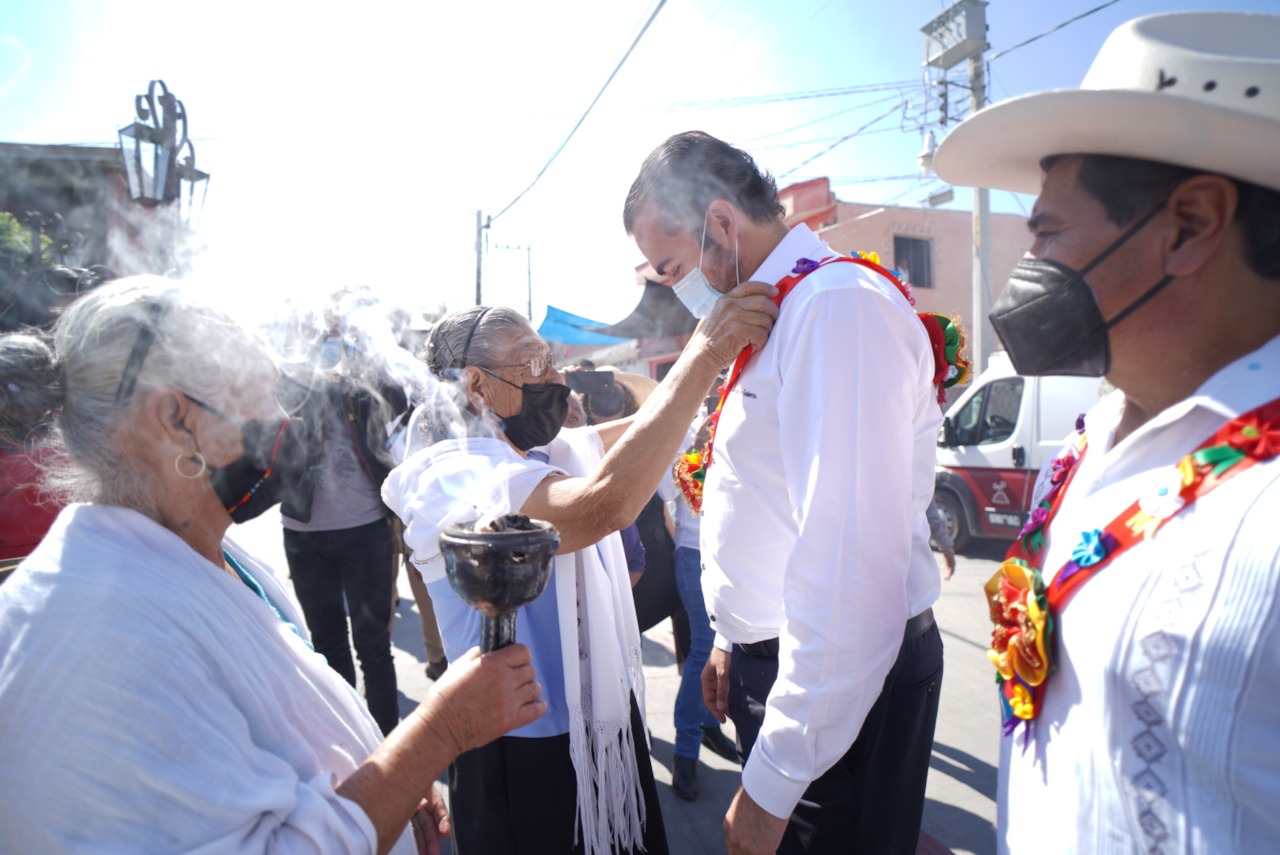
(159, 159)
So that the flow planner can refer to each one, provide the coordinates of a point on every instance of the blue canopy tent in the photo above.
(562, 327)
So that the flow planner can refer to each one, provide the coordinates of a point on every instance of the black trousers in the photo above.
(519, 796)
(349, 571)
(871, 800)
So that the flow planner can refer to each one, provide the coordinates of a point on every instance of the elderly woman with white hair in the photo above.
(157, 690)
(579, 779)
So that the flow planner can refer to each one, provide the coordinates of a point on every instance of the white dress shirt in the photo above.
(1160, 730)
(813, 527)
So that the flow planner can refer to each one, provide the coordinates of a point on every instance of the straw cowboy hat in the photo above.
(1195, 89)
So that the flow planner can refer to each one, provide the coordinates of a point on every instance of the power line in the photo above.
(752, 142)
(816, 141)
(1051, 31)
(560, 148)
(756, 100)
(844, 139)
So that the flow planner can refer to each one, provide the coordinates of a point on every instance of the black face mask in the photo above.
(252, 484)
(1048, 318)
(274, 459)
(543, 407)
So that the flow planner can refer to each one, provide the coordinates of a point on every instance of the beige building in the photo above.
(931, 248)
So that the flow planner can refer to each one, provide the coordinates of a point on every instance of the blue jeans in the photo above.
(691, 714)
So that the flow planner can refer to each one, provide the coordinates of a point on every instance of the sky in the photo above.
(351, 144)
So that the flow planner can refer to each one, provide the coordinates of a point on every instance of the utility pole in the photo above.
(481, 225)
(958, 33)
(528, 272)
(981, 336)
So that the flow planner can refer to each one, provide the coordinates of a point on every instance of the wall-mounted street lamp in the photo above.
(159, 159)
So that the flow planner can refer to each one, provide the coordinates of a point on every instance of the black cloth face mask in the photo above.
(274, 455)
(1048, 318)
(543, 408)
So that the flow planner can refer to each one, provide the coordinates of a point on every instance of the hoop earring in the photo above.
(195, 455)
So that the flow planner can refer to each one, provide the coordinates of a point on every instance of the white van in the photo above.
(995, 438)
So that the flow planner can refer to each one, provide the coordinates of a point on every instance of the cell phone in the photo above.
(590, 382)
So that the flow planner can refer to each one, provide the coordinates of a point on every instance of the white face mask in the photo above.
(693, 289)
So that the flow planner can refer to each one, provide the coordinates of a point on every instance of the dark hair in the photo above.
(30, 387)
(1127, 188)
(689, 171)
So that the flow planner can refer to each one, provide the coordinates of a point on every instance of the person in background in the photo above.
(580, 779)
(695, 724)
(158, 692)
(39, 297)
(654, 592)
(433, 646)
(938, 535)
(1146, 721)
(32, 306)
(337, 532)
(816, 563)
(577, 416)
(25, 513)
(632, 545)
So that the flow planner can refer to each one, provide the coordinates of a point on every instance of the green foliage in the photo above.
(15, 247)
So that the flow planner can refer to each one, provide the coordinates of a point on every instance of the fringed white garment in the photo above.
(464, 479)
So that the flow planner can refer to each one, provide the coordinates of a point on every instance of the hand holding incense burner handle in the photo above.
(496, 566)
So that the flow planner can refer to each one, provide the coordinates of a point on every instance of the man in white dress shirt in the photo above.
(816, 563)
(1157, 249)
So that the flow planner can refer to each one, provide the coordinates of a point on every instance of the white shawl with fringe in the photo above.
(459, 480)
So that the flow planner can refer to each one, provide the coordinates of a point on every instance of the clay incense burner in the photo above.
(496, 566)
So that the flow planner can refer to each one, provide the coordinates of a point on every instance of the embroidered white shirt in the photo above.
(814, 511)
(1160, 730)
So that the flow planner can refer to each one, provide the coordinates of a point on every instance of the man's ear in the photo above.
(1203, 209)
(722, 220)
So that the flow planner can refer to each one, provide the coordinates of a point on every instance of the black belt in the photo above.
(768, 649)
(918, 625)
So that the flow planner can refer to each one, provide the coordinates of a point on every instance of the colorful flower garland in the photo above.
(1024, 610)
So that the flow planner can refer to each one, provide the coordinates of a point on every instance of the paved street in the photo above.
(960, 808)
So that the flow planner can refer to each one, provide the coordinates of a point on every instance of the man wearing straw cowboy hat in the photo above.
(1137, 619)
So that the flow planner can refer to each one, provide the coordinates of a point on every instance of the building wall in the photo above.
(865, 228)
(859, 227)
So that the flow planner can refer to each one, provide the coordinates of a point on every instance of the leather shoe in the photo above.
(684, 778)
(720, 745)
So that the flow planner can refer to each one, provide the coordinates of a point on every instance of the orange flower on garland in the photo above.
(1020, 638)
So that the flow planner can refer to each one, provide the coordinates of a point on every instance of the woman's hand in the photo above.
(481, 697)
(477, 700)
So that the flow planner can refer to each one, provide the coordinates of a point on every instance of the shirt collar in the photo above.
(1236, 388)
(800, 242)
